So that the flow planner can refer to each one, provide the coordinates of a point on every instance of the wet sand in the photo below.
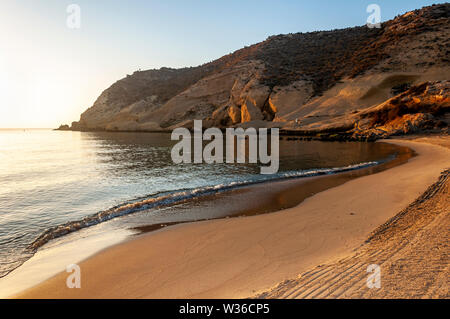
(269, 197)
(239, 257)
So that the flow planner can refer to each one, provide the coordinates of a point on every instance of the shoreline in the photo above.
(285, 193)
(336, 178)
(258, 197)
(238, 257)
(246, 200)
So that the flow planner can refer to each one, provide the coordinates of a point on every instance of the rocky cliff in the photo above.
(424, 106)
(305, 81)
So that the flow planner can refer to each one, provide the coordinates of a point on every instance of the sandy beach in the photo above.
(411, 250)
(251, 256)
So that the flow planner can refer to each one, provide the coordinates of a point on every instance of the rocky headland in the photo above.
(357, 83)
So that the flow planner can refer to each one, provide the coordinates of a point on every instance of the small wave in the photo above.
(174, 197)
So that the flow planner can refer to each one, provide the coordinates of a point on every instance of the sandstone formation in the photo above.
(424, 106)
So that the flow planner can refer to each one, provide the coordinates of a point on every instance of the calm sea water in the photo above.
(53, 183)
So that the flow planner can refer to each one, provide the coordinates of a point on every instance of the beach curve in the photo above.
(235, 258)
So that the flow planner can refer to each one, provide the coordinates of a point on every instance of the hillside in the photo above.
(321, 79)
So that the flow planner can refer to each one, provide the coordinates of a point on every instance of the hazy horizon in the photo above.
(50, 74)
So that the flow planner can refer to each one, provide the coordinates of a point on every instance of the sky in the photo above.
(52, 70)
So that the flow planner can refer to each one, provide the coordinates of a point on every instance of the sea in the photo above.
(58, 183)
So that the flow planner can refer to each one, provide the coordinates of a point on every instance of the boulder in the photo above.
(63, 127)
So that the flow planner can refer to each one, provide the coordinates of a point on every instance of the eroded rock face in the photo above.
(285, 100)
(130, 98)
(249, 112)
(234, 113)
(255, 94)
(421, 107)
(212, 97)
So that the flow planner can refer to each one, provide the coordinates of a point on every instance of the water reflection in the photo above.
(49, 178)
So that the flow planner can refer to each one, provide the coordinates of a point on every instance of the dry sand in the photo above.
(241, 257)
(411, 249)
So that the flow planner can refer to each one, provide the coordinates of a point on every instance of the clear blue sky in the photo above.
(49, 73)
